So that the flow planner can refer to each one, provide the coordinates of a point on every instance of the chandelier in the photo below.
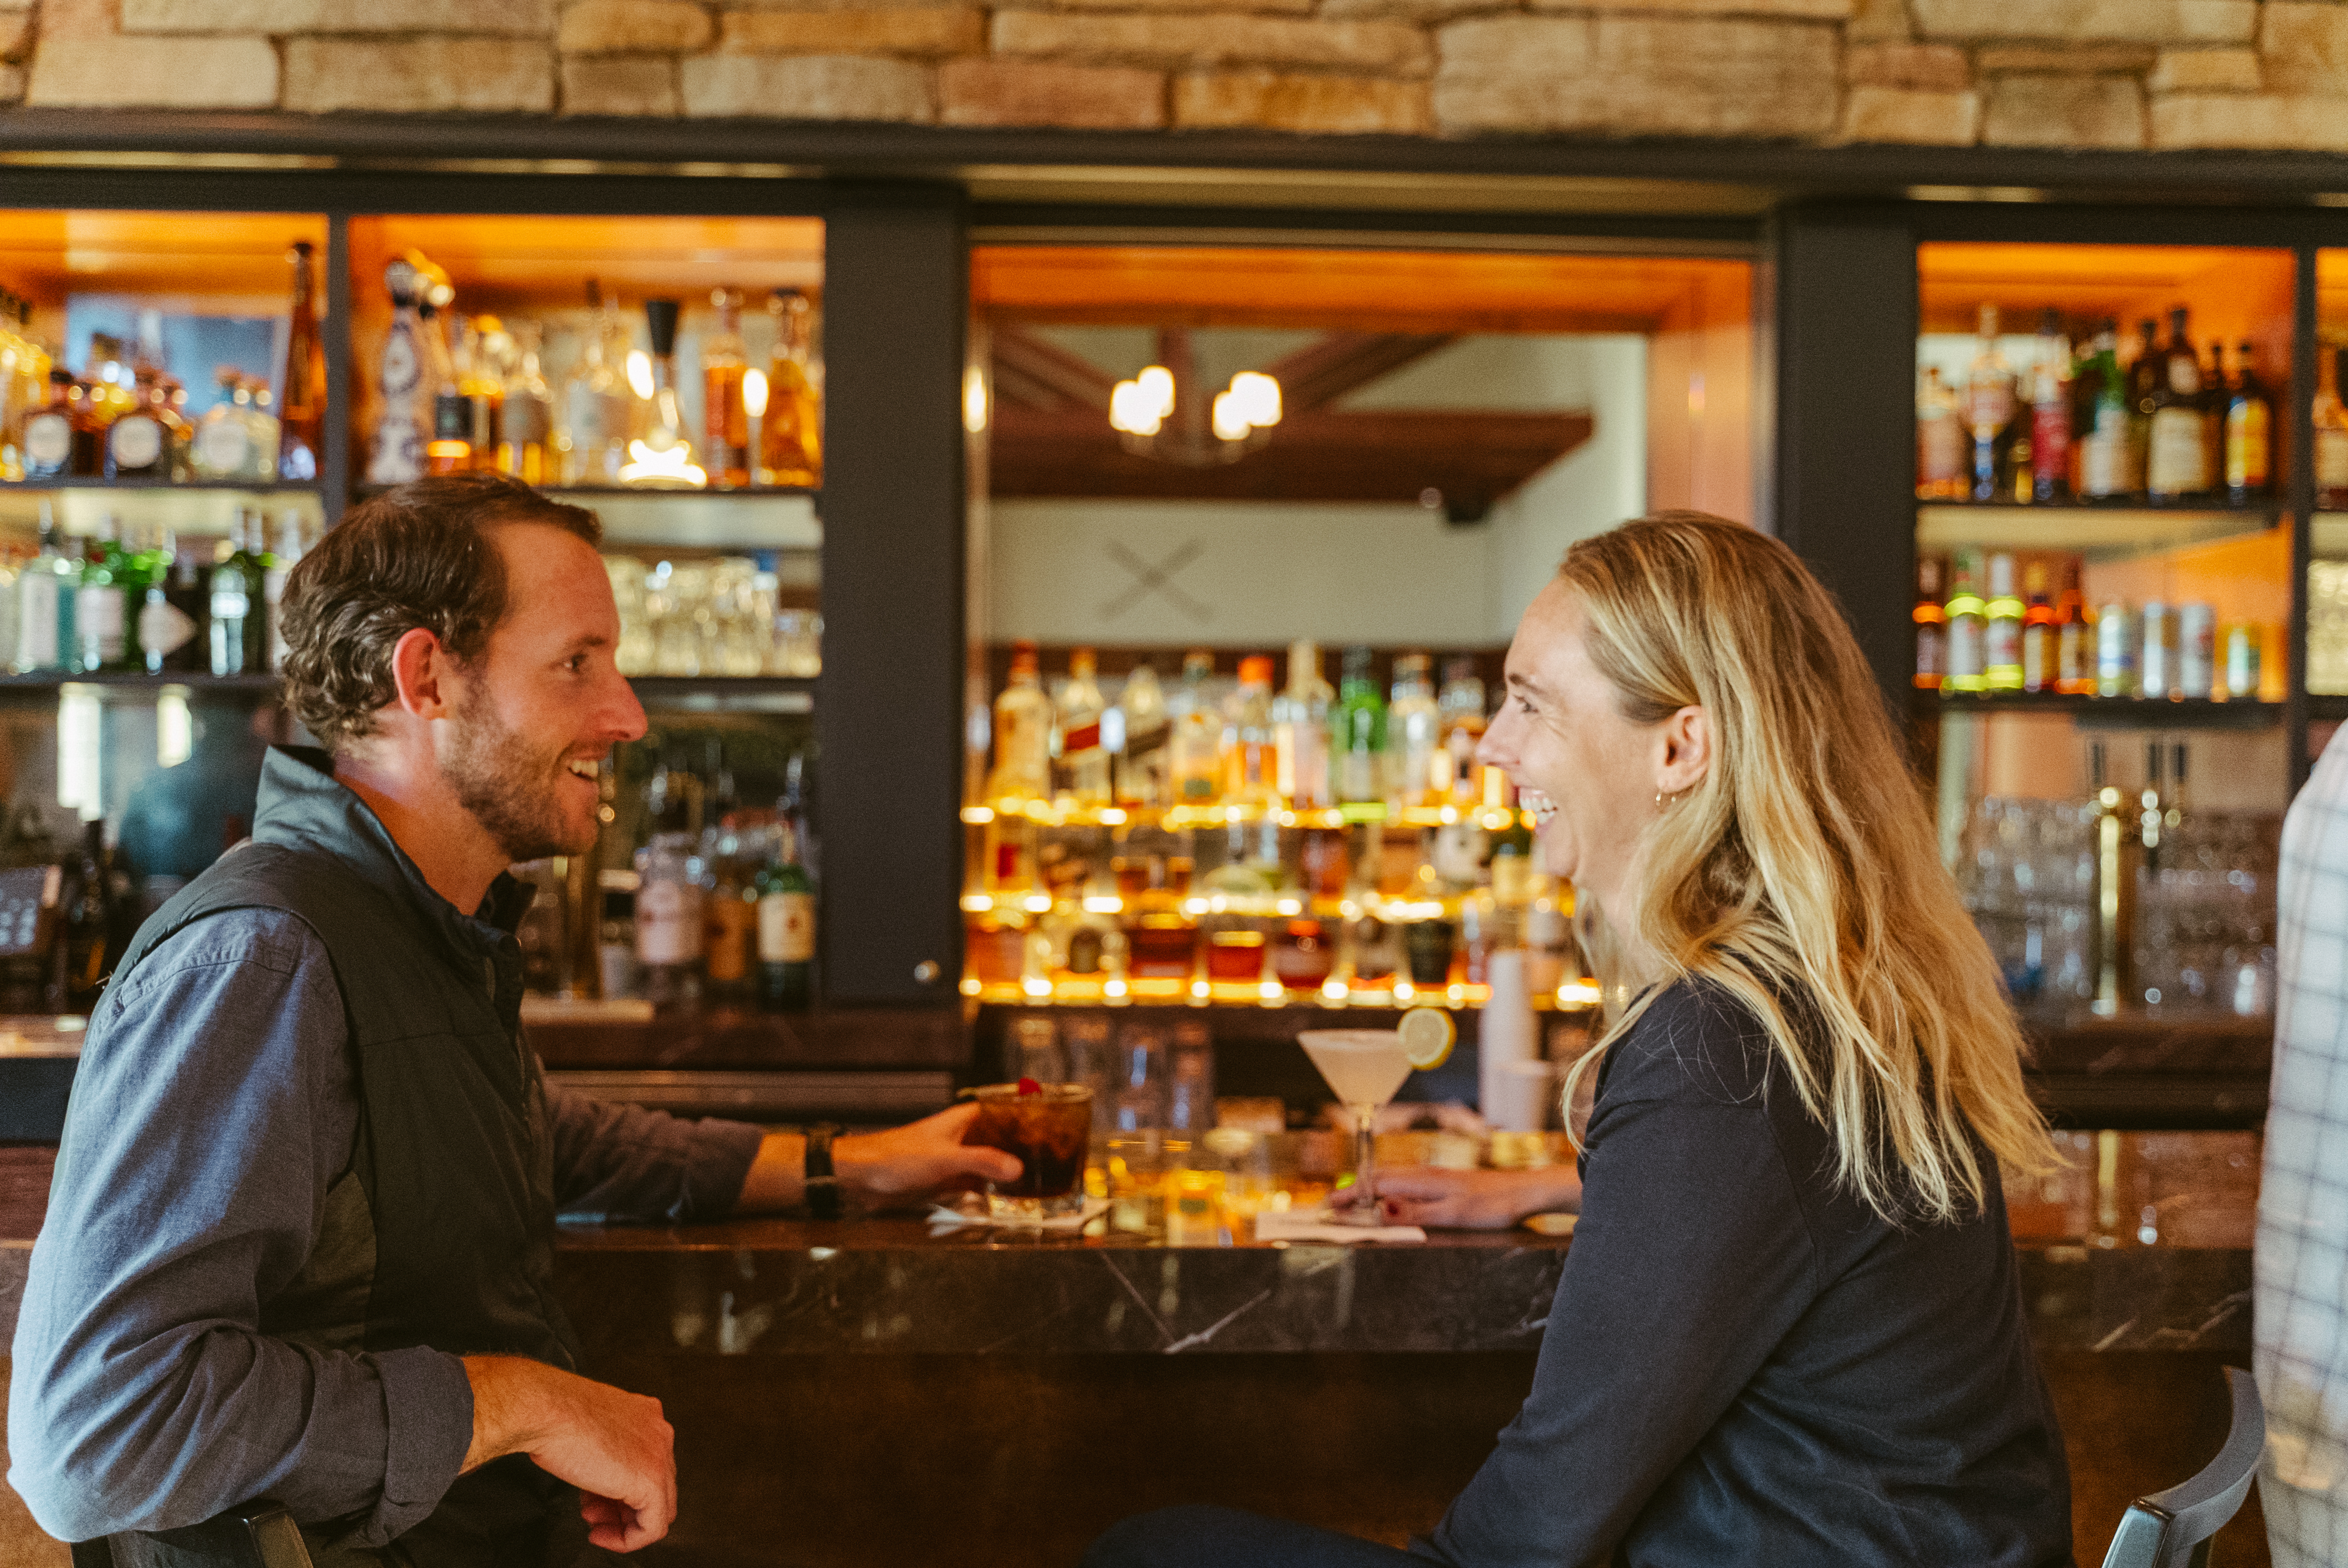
(1235, 422)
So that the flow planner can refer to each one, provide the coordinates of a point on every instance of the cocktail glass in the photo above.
(1364, 1067)
(1049, 1128)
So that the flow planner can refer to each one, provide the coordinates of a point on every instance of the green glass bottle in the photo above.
(101, 618)
(786, 931)
(1357, 741)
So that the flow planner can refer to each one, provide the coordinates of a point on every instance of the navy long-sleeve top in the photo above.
(1745, 1364)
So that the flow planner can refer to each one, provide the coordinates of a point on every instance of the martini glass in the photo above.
(1364, 1067)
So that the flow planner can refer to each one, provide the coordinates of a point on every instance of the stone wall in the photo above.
(2158, 74)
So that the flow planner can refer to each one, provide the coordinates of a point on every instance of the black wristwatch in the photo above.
(822, 1182)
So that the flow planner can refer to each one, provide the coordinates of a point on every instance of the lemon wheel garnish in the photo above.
(1427, 1036)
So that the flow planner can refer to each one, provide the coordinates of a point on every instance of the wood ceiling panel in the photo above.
(46, 255)
(2229, 289)
(1335, 291)
(505, 262)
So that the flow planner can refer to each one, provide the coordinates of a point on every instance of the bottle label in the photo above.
(2178, 462)
(2002, 645)
(2241, 660)
(1931, 654)
(727, 938)
(2104, 454)
(37, 620)
(99, 623)
(1964, 648)
(2038, 658)
(1083, 738)
(1941, 449)
(2331, 459)
(223, 446)
(2073, 658)
(2184, 376)
(1989, 404)
(786, 929)
(2050, 439)
(2247, 444)
(397, 371)
(668, 923)
(135, 442)
(48, 442)
(164, 627)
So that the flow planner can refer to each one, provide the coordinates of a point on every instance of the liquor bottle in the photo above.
(729, 935)
(1081, 759)
(1940, 442)
(2002, 629)
(660, 455)
(2050, 412)
(2102, 420)
(235, 596)
(1459, 707)
(101, 612)
(594, 438)
(43, 591)
(2177, 465)
(2216, 393)
(1989, 407)
(483, 350)
(1300, 732)
(1931, 625)
(2249, 431)
(302, 412)
(2157, 671)
(790, 431)
(526, 438)
(171, 618)
(2330, 432)
(1413, 730)
(396, 454)
(785, 929)
(1966, 613)
(726, 421)
(1251, 754)
(223, 448)
(139, 443)
(49, 437)
(1195, 745)
(107, 380)
(1357, 741)
(1023, 733)
(276, 566)
(1141, 766)
(670, 895)
(2041, 651)
(2074, 636)
(2147, 374)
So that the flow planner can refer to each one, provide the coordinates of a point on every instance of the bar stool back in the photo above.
(255, 1535)
(2172, 1528)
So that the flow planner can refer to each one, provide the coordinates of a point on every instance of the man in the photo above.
(2300, 1306)
(300, 1240)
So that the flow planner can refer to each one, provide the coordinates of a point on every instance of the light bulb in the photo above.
(640, 372)
(753, 394)
(1230, 425)
(1257, 396)
(1132, 410)
(974, 399)
(1158, 382)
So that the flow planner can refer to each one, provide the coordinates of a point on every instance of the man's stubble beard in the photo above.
(489, 769)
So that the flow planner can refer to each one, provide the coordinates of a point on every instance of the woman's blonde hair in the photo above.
(1803, 871)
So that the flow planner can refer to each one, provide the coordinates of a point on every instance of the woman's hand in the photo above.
(1475, 1200)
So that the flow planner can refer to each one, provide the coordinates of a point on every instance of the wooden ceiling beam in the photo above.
(1034, 364)
(1320, 373)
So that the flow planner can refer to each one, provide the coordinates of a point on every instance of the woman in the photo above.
(1789, 1330)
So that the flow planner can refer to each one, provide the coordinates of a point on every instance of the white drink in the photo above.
(1365, 1067)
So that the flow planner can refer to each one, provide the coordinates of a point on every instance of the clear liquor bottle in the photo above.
(725, 418)
(1081, 767)
(1251, 757)
(1300, 723)
(790, 431)
(227, 444)
(1989, 407)
(661, 454)
(1023, 733)
(1196, 741)
(484, 347)
(1941, 441)
(593, 436)
(1141, 767)
(1460, 708)
(50, 434)
(526, 438)
(143, 442)
(302, 412)
(43, 591)
(670, 894)
(1931, 625)
(1414, 730)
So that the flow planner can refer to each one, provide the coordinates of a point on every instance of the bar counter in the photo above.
(862, 1391)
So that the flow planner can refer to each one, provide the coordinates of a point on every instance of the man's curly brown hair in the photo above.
(420, 555)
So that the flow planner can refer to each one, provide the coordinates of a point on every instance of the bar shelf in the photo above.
(1175, 819)
(2101, 533)
(2110, 712)
(150, 487)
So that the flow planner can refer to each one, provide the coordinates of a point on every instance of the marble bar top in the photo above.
(801, 1288)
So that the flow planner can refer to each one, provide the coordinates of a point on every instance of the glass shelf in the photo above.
(94, 482)
(1174, 819)
(2111, 712)
(2100, 533)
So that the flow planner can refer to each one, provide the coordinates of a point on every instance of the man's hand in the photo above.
(919, 1157)
(613, 1445)
(1474, 1200)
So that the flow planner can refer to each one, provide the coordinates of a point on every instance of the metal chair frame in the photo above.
(2172, 1528)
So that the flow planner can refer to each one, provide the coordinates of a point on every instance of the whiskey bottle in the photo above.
(2074, 637)
(1023, 733)
(525, 437)
(2249, 431)
(726, 419)
(171, 619)
(1300, 723)
(2177, 464)
(2040, 633)
(1080, 760)
(224, 447)
(1250, 758)
(790, 430)
(787, 914)
(1196, 742)
(302, 413)
(2105, 421)
(1141, 779)
(235, 601)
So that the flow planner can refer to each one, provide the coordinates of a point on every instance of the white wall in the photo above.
(1259, 574)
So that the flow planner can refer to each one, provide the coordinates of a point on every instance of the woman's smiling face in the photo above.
(1588, 775)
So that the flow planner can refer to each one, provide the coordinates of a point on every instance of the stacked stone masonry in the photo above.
(2134, 74)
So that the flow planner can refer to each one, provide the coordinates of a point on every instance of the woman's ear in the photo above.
(1687, 751)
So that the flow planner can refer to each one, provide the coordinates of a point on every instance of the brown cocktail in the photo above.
(1048, 1126)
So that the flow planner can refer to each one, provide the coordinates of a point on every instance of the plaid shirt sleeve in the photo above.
(2301, 1261)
